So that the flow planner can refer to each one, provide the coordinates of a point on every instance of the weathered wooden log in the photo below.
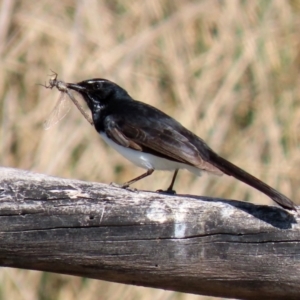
(184, 243)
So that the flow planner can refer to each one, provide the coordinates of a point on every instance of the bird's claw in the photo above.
(122, 186)
(167, 192)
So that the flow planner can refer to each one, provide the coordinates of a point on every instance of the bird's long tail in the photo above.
(232, 170)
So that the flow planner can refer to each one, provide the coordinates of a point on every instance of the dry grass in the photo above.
(227, 70)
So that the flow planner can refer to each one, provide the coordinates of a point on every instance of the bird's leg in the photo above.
(170, 188)
(128, 183)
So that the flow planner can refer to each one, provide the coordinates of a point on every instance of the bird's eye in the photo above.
(97, 85)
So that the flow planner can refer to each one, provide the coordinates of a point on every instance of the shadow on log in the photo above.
(183, 243)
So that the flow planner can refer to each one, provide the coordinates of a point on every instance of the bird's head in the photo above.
(98, 92)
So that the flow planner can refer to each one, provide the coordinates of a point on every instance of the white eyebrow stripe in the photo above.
(93, 81)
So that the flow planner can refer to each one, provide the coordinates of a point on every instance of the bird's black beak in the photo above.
(76, 87)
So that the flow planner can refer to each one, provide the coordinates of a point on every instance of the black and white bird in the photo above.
(153, 140)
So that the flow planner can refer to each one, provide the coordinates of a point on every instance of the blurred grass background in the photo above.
(227, 70)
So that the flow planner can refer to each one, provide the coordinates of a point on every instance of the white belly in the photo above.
(149, 161)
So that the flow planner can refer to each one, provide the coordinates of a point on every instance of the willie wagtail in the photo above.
(153, 140)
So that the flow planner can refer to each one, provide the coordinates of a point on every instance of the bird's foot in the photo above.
(167, 192)
(122, 186)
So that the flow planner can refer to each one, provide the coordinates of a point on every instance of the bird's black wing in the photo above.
(162, 141)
